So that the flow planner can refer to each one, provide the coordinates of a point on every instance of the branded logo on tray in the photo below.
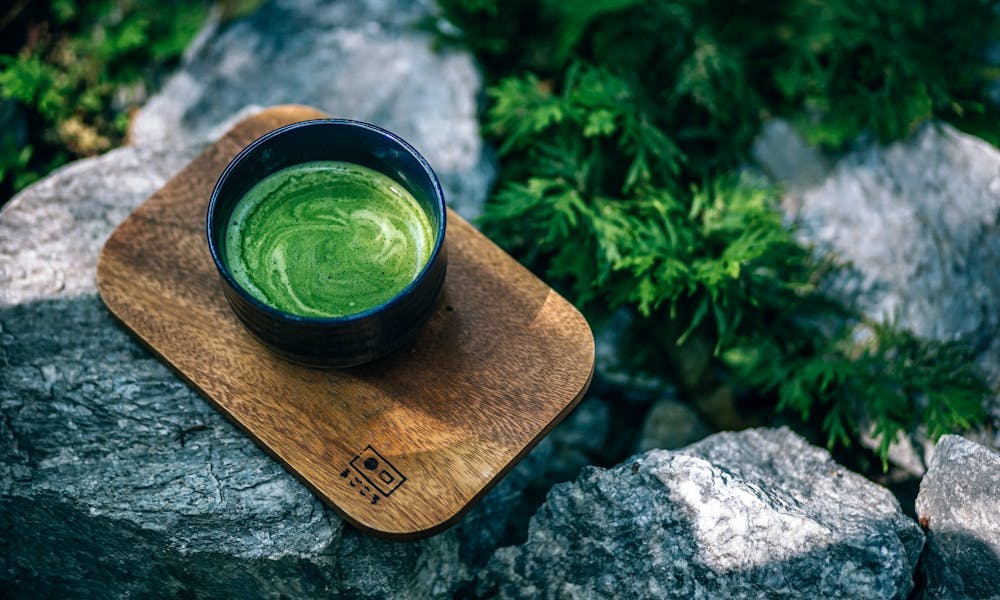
(373, 475)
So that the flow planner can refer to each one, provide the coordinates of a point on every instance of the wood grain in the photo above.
(503, 359)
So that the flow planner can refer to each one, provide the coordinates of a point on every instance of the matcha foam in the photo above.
(327, 239)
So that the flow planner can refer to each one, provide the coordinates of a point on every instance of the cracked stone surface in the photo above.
(364, 60)
(759, 513)
(117, 480)
(670, 424)
(959, 504)
(51, 234)
(917, 223)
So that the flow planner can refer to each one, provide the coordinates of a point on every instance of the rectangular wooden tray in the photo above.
(400, 447)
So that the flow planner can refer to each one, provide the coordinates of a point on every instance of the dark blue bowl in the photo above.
(357, 338)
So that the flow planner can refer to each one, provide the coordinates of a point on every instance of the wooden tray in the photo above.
(401, 447)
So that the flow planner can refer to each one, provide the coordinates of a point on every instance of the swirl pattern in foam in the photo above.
(327, 239)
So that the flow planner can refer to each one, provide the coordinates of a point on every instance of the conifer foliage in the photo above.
(623, 130)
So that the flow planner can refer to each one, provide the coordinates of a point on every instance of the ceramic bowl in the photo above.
(357, 338)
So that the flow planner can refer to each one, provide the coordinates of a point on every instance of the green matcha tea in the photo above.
(327, 239)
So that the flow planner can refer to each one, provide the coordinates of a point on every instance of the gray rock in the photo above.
(106, 456)
(759, 513)
(787, 157)
(691, 369)
(918, 223)
(51, 234)
(910, 452)
(959, 505)
(610, 342)
(358, 60)
(670, 424)
(575, 443)
(119, 481)
(116, 480)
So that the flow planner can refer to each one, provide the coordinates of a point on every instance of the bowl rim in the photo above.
(439, 238)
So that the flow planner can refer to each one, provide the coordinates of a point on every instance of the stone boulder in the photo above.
(670, 424)
(959, 507)
(759, 513)
(917, 226)
(117, 480)
(52, 233)
(917, 222)
(357, 60)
